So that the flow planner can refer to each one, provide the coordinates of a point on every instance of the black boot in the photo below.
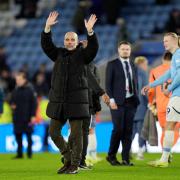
(72, 170)
(64, 168)
(84, 166)
(113, 161)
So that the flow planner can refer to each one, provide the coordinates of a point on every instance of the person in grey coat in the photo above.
(142, 66)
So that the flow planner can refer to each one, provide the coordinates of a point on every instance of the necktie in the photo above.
(128, 76)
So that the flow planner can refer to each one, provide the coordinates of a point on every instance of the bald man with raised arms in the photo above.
(69, 89)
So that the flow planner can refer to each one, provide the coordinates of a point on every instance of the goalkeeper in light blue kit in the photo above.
(171, 44)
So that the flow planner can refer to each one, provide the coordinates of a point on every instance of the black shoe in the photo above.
(18, 157)
(64, 168)
(126, 163)
(72, 170)
(83, 166)
(113, 161)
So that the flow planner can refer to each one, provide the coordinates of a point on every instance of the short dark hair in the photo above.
(22, 74)
(124, 42)
(167, 56)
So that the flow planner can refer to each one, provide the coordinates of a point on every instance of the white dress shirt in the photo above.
(128, 94)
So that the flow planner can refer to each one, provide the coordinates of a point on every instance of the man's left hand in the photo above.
(89, 24)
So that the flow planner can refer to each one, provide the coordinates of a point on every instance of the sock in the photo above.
(91, 151)
(167, 145)
(162, 138)
(176, 133)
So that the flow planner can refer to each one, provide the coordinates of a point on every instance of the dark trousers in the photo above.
(18, 137)
(72, 149)
(122, 120)
(85, 129)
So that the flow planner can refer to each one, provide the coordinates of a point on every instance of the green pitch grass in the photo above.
(44, 167)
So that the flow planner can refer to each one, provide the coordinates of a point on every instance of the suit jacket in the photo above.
(116, 82)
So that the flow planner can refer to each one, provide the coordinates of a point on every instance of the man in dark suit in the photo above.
(121, 86)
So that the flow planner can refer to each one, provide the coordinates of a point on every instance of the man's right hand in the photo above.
(106, 98)
(113, 106)
(51, 20)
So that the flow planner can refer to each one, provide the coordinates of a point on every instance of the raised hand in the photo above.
(89, 24)
(52, 19)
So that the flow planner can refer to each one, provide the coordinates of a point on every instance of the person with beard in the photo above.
(69, 89)
(121, 87)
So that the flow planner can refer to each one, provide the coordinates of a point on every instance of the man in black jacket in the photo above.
(94, 93)
(23, 103)
(69, 89)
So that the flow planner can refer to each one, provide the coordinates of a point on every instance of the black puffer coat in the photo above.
(69, 86)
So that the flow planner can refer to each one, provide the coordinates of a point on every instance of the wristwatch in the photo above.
(91, 33)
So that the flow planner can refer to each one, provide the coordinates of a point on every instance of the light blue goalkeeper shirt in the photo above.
(173, 73)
